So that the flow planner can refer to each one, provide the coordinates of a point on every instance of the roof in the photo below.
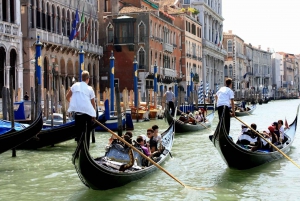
(130, 9)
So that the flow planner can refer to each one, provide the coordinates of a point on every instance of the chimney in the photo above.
(230, 31)
(165, 8)
(259, 46)
(115, 8)
(268, 49)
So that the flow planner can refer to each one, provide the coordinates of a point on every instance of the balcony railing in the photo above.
(241, 56)
(9, 28)
(211, 45)
(123, 40)
(170, 72)
(229, 54)
(194, 57)
(64, 41)
(168, 47)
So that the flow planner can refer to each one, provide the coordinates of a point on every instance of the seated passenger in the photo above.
(281, 130)
(141, 142)
(198, 117)
(151, 143)
(276, 130)
(247, 137)
(273, 135)
(183, 118)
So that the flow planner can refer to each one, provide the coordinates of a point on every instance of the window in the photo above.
(226, 71)
(141, 58)
(230, 71)
(124, 31)
(229, 46)
(142, 32)
(110, 34)
(186, 1)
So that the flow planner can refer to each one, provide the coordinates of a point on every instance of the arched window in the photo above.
(68, 23)
(53, 19)
(63, 22)
(58, 21)
(230, 71)
(142, 32)
(48, 16)
(12, 11)
(226, 71)
(229, 46)
(141, 60)
(38, 18)
(110, 33)
(31, 14)
(43, 16)
(96, 33)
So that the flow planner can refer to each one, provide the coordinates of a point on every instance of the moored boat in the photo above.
(12, 138)
(238, 157)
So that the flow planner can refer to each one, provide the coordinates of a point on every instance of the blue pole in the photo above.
(112, 78)
(155, 77)
(192, 76)
(81, 62)
(188, 90)
(38, 60)
(135, 80)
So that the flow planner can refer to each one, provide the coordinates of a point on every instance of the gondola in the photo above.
(246, 113)
(13, 138)
(181, 127)
(50, 136)
(237, 157)
(103, 173)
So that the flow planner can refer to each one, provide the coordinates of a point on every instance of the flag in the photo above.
(81, 22)
(88, 28)
(220, 41)
(74, 24)
(217, 37)
(286, 124)
(245, 76)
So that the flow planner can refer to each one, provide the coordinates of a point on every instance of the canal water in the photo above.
(48, 173)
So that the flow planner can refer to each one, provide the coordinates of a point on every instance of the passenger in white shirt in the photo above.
(281, 130)
(224, 98)
(82, 103)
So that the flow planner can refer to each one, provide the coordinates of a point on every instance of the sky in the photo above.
(269, 23)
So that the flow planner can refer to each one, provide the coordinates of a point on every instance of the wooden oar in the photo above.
(144, 156)
(195, 120)
(269, 142)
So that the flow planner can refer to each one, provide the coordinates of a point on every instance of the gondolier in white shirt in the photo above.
(224, 98)
(170, 97)
(82, 102)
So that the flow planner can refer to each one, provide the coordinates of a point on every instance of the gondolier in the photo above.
(170, 97)
(224, 98)
(82, 104)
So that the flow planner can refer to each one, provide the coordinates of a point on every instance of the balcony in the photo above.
(170, 72)
(199, 58)
(9, 29)
(58, 39)
(194, 57)
(241, 56)
(267, 75)
(229, 54)
(188, 55)
(257, 75)
(213, 46)
(168, 47)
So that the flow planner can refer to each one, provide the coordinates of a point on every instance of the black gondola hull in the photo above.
(237, 157)
(100, 177)
(181, 127)
(12, 139)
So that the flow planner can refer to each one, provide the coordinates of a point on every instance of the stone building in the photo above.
(210, 17)
(143, 29)
(52, 21)
(235, 65)
(11, 49)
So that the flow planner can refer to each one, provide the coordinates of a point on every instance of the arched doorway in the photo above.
(2, 66)
(12, 71)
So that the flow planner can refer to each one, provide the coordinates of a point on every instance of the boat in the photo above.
(53, 135)
(238, 157)
(103, 173)
(57, 120)
(181, 127)
(251, 108)
(21, 133)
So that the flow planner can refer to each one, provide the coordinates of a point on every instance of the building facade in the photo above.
(146, 30)
(235, 65)
(210, 17)
(52, 21)
(11, 49)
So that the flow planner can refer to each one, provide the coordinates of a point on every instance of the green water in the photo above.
(48, 173)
